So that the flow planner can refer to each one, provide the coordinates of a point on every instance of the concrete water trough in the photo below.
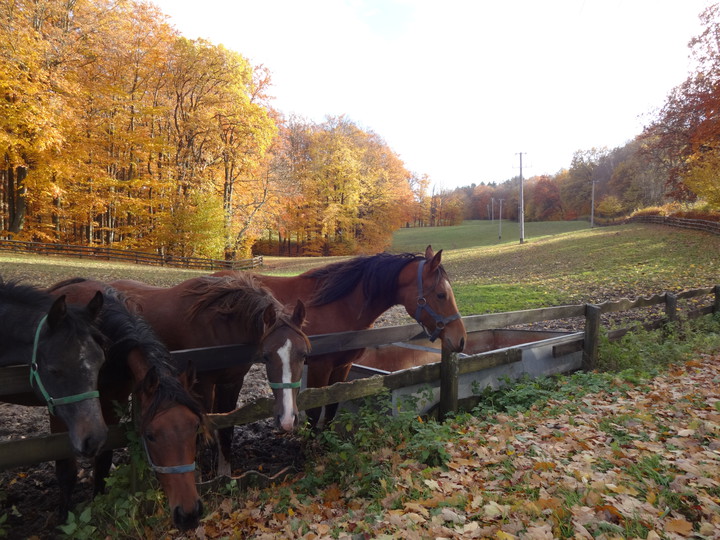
(531, 353)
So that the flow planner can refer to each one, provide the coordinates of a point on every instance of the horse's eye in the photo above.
(442, 296)
(150, 437)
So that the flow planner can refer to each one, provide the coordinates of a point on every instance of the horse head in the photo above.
(284, 350)
(424, 289)
(171, 423)
(66, 359)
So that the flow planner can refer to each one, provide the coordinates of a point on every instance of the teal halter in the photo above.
(283, 385)
(35, 381)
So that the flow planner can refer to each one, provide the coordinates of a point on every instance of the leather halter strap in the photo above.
(35, 381)
(422, 305)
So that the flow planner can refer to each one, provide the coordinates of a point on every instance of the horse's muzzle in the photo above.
(188, 520)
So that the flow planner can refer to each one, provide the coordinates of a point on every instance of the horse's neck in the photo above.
(289, 289)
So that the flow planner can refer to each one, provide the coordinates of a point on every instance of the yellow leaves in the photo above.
(679, 526)
(493, 510)
(622, 489)
(549, 481)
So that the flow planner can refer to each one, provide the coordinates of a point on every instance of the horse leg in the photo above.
(226, 396)
(318, 375)
(65, 473)
(109, 397)
(101, 470)
(338, 374)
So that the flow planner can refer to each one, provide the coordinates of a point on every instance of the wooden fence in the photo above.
(51, 447)
(704, 225)
(120, 255)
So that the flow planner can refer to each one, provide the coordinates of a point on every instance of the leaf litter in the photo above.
(633, 461)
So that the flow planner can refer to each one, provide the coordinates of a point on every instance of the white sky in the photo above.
(459, 87)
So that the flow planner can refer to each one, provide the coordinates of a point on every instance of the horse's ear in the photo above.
(57, 311)
(298, 316)
(187, 377)
(429, 253)
(435, 262)
(95, 305)
(269, 316)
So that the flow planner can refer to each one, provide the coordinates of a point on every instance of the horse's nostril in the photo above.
(462, 345)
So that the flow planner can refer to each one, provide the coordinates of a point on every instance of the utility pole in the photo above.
(592, 206)
(521, 205)
(500, 221)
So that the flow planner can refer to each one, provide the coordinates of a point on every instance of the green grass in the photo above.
(477, 233)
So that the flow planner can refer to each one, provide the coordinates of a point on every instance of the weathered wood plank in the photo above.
(449, 370)
(489, 321)
(17, 453)
(627, 304)
(347, 341)
(14, 380)
(592, 336)
(694, 293)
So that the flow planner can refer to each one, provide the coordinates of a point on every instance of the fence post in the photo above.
(592, 336)
(671, 307)
(449, 369)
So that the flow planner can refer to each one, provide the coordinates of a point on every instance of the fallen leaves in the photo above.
(642, 463)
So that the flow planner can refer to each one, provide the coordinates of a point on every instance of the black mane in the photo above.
(377, 273)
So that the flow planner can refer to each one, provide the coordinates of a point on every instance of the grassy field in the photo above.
(559, 263)
(479, 233)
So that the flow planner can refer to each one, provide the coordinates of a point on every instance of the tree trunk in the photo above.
(17, 205)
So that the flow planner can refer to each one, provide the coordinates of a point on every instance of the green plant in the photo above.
(132, 502)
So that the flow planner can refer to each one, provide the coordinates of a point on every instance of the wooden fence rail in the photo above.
(15, 380)
(712, 227)
(120, 255)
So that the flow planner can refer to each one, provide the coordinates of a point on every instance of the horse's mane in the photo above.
(128, 331)
(377, 273)
(125, 331)
(240, 297)
(22, 306)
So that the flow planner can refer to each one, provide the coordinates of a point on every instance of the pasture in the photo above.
(548, 459)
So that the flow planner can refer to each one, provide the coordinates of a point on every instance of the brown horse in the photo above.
(209, 311)
(170, 418)
(352, 294)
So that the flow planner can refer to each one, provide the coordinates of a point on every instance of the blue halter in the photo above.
(175, 469)
(422, 305)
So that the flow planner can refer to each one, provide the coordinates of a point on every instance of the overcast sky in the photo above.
(459, 87)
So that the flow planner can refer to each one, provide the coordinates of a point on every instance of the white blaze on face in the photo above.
(287, 421)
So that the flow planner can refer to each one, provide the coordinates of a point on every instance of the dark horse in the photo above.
(170, 418)
(63, 349)
(351, 295)
(210, 311)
